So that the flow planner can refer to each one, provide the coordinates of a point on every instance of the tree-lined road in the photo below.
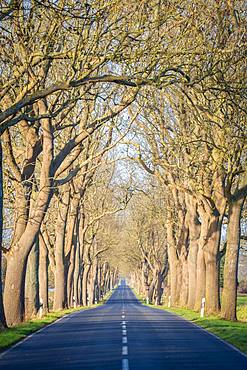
(122, 334)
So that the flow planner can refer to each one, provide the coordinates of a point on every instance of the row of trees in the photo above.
(75, 78)
(199, 162)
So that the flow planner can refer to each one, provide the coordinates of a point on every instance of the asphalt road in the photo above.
(122, 335)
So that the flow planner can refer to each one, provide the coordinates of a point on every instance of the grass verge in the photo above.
(233, 332)
(14, 334)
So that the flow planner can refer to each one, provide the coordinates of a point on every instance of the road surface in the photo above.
(122, 335)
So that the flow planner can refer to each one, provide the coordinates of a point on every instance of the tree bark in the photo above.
(211, 251)
(32, 303)
(60, 279)
(70, 277)
(43, 275)
(229, 294)
(3, 323)
(200, 278)
(17, 256)
(86, 270)
(194, 228)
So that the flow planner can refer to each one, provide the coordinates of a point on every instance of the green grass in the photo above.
(14, 334)
(242, 300)
(233, 332)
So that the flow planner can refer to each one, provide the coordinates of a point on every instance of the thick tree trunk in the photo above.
(43, 276)
(3, 323)
(32, 303)
(211, 251)
(229, 294)
(17, 257)
(15, 287)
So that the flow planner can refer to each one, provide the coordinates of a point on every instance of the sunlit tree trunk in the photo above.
(43, 275)
(32, 302)
(17, 257)
(60, 279)
(3, 323)
(229, 294)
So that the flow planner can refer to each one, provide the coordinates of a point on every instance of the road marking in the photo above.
(123, 326)
(123, 316)
(124, 341)
(123, 322)
(124, 350)
(125, 364)
(124, 332)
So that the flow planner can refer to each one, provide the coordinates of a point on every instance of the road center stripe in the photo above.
(124, 340)
(125, 364)
(124, 350)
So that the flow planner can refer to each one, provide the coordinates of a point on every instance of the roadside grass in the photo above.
(233, 332)
(16, 333)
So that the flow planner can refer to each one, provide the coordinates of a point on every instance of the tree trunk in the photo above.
(70, 277)
(32, 303)
(159, 290)
(192, 269)
(185, 281)
(3, 323)
(85, 284)
(17, 256)
(211, 251)
(174, 275)
(200, 279)
(229, 294)
(43, 276)
(60, 280)
(194, 227)
(15, 287)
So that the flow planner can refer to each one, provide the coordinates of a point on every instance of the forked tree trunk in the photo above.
(17, 257)
(229, 294)
(32, 303)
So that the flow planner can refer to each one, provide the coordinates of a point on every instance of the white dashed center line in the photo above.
(124, 340)
(124, 350)
(125, 364)
(125, 361)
